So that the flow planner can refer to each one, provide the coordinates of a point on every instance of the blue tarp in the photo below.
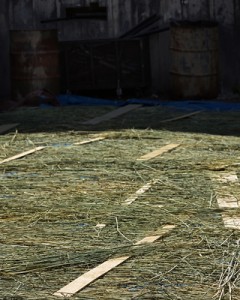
(190, 105)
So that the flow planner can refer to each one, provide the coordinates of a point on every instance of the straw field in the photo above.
(64, 212)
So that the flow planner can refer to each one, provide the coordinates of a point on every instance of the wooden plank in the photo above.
(231, 222)
(90, 141)
(158, 152)
(113, 114)
(6, 127)
(182, 117)
(227, 177)
(84, 280)
(153, 238)
(228, 201)
(20, 155)
(90, 276)
(141, 191)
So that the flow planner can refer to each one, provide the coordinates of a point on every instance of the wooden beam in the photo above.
(158, 152)
(90, 276)
(113, 114)
(20, 155)
(6, 127)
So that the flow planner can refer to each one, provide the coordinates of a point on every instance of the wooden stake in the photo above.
(20, 155)
(158, 152)
(113, 114)
(90, 276)
(7, 127)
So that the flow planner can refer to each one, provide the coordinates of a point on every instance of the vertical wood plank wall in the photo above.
(123, 15)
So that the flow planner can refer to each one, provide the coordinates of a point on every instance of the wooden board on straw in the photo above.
(113, 114)
(141, 191)
(89, 141)
(20, 155)
(6, 127)
(227, 201)
(90, 276)
(231, 222)
(182, 117)
(158, 152)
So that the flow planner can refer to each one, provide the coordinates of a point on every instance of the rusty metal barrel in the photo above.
(34, 62)
(194, 50)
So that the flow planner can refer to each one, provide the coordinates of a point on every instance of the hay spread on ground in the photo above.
(63, 213)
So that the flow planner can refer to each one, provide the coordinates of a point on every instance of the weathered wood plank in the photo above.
(139, 192)
(227, 201)
(158, 152)
(20, 155)
(84, 280)
(95, 273)
(89, 141)
(4, 50)
(182, 117)
(231, 222)
(21, 14)
(113, 114)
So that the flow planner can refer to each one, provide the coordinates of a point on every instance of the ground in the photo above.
(63, 208)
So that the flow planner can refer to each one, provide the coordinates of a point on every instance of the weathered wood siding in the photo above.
(27, 14)
(4, 51)
(122, 16)
(82, 29)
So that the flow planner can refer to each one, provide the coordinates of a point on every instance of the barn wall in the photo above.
(82, 29)
(4, 52)
(123, 15)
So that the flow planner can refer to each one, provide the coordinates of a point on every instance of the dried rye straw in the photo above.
(63, 213)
